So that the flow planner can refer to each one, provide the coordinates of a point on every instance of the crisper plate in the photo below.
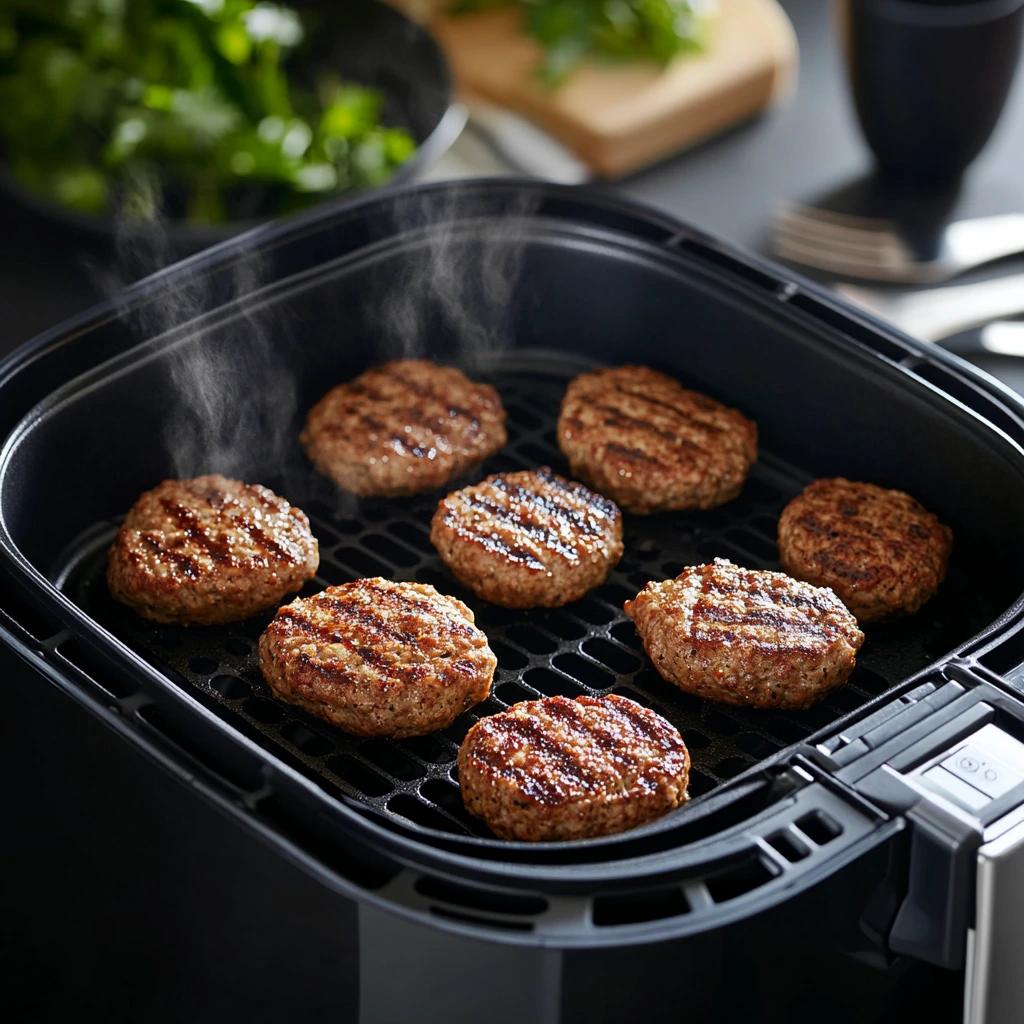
(586, 647)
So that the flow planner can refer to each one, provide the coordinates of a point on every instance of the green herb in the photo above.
(618, 30)
(99, 99)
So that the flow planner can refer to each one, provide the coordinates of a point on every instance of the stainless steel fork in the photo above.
(937, 313)
(874, 249)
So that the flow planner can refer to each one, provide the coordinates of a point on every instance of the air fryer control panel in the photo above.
(978, 770)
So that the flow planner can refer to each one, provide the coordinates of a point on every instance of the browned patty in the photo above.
(377, 658)
(880, 551)
(210, 550)
(558, 769)
(743, 636)
(528, 539)
(647, 442)
(403, 428)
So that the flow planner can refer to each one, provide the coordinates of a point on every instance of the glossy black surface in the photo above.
(930, 81)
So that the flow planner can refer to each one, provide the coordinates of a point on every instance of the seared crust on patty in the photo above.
(881, 551)
(528, 539)
(210, 550)
(378, 658)
(558, 769)
(642, 439)
(403, 428)
(748, 637)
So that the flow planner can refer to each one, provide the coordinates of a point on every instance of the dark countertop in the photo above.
(728, 186)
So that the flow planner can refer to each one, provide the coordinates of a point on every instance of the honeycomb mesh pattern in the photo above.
(588, 647)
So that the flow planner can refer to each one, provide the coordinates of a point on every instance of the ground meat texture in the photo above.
(747, 637)
(882, 552)
(210, 550)
(403, 428)
(528, 540)
(560, 769)
(648, 443)
(377, 658)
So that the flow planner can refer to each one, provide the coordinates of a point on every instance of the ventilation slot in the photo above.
(482, 922)
(82, 657)
(513, 693)
(393, 761)
(637, 907)
(359, 776)
(585, 671)
(431, 748)
(734, 266)
(231, 687)
(532, 640)
(618, 660)
(487, 900)
(840, 321)
(266, 711)
(551, 684)
(230, 764)
(738, 881)
(305, 740)
(406, 806)
(788, 846)
(819, 827)
(972, 396)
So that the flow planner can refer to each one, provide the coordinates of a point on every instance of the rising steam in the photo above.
(234, 399)
(451, 284)
(234, 411)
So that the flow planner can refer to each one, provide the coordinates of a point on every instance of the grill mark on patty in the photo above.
(421, 391)
(591, 499)
(530, 733)
(219, 548)
(415, 450)
(192, 569)
(578, 519)
(618, 418)
(387, 595)
(490, 542)
(683, 414)
(633, 453)
(513, 519)
(189, 524)
(640, 722)
(267, 543)
(568, 713)
(751, 589)
(328, 636)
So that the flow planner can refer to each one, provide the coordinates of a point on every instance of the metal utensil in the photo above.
(873, 248)
(940, 312)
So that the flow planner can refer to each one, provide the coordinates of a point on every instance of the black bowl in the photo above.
(367, 42)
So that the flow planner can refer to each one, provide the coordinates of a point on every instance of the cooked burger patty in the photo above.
(748, 637)
(558, 769)
(529, 539)
(880, 551)
(377, 658)
(403, 428)
(647, 442)
(210, 550)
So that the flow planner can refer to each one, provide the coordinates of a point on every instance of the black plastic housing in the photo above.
(507, 278)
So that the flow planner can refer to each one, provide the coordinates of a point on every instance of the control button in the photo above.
(953, 789)
(978, 767)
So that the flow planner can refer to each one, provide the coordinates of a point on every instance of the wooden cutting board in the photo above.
(619, 118)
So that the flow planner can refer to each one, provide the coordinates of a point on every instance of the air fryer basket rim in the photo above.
(269, 235)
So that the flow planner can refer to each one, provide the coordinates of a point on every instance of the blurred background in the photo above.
(874, 144)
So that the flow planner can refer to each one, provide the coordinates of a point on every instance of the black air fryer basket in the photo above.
(831, 839)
